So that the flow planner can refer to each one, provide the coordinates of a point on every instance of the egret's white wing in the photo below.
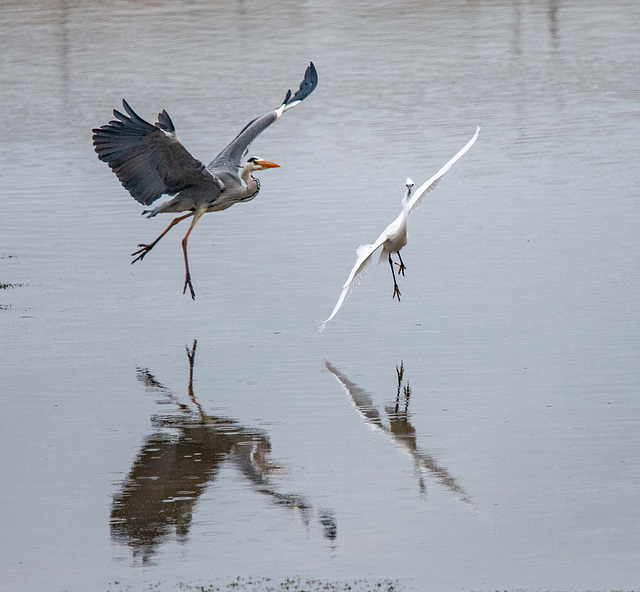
(359, 397)
(431, 184)
(365, 255)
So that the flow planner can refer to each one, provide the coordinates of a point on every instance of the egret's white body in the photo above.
(394, 237)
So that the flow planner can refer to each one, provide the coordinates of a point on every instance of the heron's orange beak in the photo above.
(265, 164)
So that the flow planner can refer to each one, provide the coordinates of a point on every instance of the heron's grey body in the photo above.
(230, 188)
(150, 161)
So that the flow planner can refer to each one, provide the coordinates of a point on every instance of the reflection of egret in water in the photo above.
(400, 429)
(175, 466)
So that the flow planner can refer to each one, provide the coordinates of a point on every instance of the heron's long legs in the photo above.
(191, 354)
(401, 265)
(146, 248)
(187, 277)
(396, 290)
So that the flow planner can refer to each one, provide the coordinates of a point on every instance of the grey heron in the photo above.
(150, 161)
(182, 458)
(394, 237)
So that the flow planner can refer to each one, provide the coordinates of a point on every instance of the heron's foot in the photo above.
(141, 252)
(187, 283)
(401, 267)
(396, 292)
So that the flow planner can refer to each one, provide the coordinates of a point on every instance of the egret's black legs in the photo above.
(396, 290)
(187, 277)
(401, 265)
(146, 248)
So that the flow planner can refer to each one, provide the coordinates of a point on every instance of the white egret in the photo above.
(394, 236)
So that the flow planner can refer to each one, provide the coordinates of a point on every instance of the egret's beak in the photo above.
(265, 164)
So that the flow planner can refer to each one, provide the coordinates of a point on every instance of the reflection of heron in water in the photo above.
(400, 429)
(176, 464)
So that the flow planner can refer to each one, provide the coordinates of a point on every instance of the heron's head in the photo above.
(255, 163)
(409, 183)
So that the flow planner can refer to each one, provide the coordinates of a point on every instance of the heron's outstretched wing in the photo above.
(149, 160)
(232, 155)
(365, 256)
(431, 184)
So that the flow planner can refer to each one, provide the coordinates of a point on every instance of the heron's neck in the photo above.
(246, 175)
(253, 185)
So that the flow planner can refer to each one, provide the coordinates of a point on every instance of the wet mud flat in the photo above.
(293, 584)
(8, 287)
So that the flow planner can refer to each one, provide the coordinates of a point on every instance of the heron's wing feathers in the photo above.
(364, 258)
(232, 155)
(431, 184)
(307, 86)
(149, 160)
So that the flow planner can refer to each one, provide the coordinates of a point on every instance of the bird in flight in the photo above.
(394, 236)
(150, 161)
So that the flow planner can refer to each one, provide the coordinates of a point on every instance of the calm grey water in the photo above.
(507, 453)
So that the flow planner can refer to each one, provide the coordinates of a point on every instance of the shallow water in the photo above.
(507, 455)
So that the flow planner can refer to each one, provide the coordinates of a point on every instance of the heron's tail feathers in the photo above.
(152, 213)
(175, 204)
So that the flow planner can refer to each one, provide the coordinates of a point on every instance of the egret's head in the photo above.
(255, 163)
(407, 193)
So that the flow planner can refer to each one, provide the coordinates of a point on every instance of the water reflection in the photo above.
(400, 429)
(176, 464)
(552, 13)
